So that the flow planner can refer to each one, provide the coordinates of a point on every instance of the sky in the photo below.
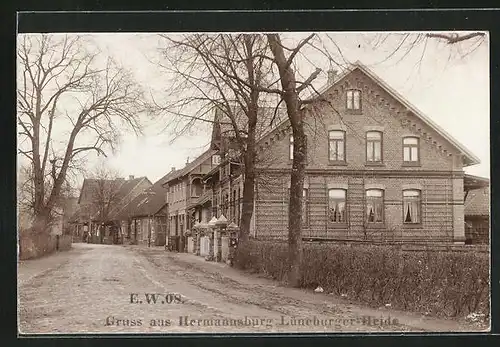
(447, 85)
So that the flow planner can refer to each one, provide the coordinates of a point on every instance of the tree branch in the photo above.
(454, 38)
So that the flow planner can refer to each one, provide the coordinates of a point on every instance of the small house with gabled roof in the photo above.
(144, 220)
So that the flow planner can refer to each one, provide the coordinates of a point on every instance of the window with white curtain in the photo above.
(337, 205)
(411, 206)
(374, 205)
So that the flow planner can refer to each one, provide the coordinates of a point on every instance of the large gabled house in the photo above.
(377, 169)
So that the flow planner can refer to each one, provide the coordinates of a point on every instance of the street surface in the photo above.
(133, 289)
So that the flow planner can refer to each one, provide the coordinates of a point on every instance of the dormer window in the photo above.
(354, 99)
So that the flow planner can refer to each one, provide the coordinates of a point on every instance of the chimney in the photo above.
(332, 76)
(187, 160)
(172, 169)
(130, 177)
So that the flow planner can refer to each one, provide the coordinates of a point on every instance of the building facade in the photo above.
(187, 195)
(377, 169)
(144, 219)
(118, 193)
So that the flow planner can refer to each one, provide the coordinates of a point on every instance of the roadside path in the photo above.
(88, 290)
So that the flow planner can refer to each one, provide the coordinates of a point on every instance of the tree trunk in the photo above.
(248, 200)
(41, 221)
(295, 210)
(290, 96)
(101, 233)
(249, 181)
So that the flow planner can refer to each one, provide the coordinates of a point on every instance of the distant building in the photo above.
(87, 219)
(144, 220)
(477, 209)
(185, 191)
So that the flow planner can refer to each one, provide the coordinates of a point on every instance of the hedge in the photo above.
(453, 284)
(37, 244)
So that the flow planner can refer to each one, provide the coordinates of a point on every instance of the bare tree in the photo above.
(227, 73)
(69, 103)
(290, 94)
(105, 196)
(454, 46)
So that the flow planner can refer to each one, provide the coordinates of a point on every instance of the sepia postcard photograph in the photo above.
(253, 182)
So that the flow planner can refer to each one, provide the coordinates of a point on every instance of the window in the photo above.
(374, 205)
(354, 99)
(225, 208)
(336, 147)
(411, 206)
(233, 206)
(337, 205)
(374, 147)
(237, 207)
(410, 149)
(216, 159)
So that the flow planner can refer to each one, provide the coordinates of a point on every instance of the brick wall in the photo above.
(439, 175)
(374, 116)
(436, 208)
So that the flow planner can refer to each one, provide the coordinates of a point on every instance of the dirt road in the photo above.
(112, 289)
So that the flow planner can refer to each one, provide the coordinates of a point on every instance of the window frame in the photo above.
(410, 146)
(350, 105)
(419, 206)
(336, 141)
(346, 218)
(216, 159)
(381, 199)
(381, 141)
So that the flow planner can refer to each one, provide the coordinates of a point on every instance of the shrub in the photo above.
(33, 244)
(438, 283)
